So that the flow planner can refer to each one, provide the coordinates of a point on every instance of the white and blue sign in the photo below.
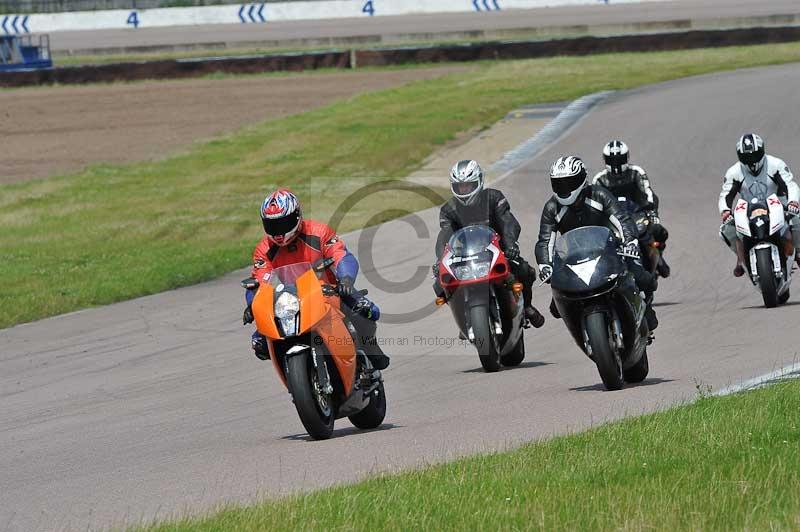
(251, 13)
(264, 13)
(14, 24)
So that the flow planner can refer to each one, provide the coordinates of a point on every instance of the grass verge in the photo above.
(114, 232)
(730, 463)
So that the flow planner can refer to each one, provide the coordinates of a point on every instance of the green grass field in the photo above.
(114, 232)
(730, 463)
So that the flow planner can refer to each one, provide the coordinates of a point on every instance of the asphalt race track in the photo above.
(696, 10)
(156, 406)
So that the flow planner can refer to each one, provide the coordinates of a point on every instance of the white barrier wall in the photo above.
(262, 13)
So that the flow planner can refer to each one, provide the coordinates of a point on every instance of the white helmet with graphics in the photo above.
(466, 181)
(568, 178)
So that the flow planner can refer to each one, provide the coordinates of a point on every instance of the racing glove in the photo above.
(346, 288)
(247, 317)
(363, 307)
(727, 216)
(545, 273)
(512, 251)
(435, 270)
(631, 249)
(793, 207)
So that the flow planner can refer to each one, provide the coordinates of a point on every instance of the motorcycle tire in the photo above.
(372, 415)
(638, 372)
(766, 277)
(516, 356)
(317, 419)
(608, 364)
(485, 341)
(784, 297)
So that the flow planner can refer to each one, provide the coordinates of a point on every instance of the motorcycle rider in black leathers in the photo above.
(631, 181)
(472, 204)
(575, 204)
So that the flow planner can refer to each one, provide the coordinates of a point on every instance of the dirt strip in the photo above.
(48, 131)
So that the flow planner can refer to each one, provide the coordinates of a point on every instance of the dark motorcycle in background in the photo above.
(597, 297)
(483, 297)
(761, 226)
(649, 232)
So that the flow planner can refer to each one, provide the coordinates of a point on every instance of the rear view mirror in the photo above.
(250, 283)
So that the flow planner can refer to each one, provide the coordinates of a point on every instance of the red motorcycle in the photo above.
(480, 291)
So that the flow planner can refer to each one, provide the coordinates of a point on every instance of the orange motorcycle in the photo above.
(314, 347)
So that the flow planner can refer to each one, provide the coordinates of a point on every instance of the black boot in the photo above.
(663, 268)
(650, 316)
(260, 347)
(534, 316)
(375, 354)
(554, 310)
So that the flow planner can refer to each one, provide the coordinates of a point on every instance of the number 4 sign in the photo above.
(368, 8)
(133, 19)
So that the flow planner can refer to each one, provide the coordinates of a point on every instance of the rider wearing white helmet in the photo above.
(473, 204)
(575, 203)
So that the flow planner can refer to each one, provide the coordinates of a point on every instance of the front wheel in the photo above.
(766, 277)
(608, 363)
(638, 372)
(517, 355)
(784, 297)
(372, 415)
(315, 408)
(485, 339)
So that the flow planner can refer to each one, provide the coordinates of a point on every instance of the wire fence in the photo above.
(23, 7)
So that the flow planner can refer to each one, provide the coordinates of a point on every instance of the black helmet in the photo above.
(568, 178)
(615, 154)
(750, 150)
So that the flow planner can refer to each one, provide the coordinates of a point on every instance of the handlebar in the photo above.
(330, 290)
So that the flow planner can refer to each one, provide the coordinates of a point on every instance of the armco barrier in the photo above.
(264, 13)
(397, 56)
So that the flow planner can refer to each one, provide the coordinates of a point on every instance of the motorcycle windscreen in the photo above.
(586, 261)
(471, 240)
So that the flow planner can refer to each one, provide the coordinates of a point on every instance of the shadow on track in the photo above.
(530, 364)
(600, 388)
(787, 304)
(343, 432)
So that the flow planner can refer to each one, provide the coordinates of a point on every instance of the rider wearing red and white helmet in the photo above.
(291, 239)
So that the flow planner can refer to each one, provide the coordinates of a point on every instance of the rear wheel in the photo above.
(638, 372)
(315, 408)
(608, 364)
(485, 339)
(766, 277)
(517, 355)
(372, 416)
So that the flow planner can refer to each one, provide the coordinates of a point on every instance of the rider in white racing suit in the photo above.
(757, 175)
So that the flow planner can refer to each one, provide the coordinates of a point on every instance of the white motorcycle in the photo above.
(761, 226)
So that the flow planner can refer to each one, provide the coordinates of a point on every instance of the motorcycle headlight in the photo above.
(286, 308)
(472, 270)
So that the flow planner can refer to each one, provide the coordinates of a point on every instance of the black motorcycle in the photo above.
(649, 233)
(599, 301)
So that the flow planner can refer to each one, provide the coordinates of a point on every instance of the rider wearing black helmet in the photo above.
(757, 172)
(631, 181)
(575, 203)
